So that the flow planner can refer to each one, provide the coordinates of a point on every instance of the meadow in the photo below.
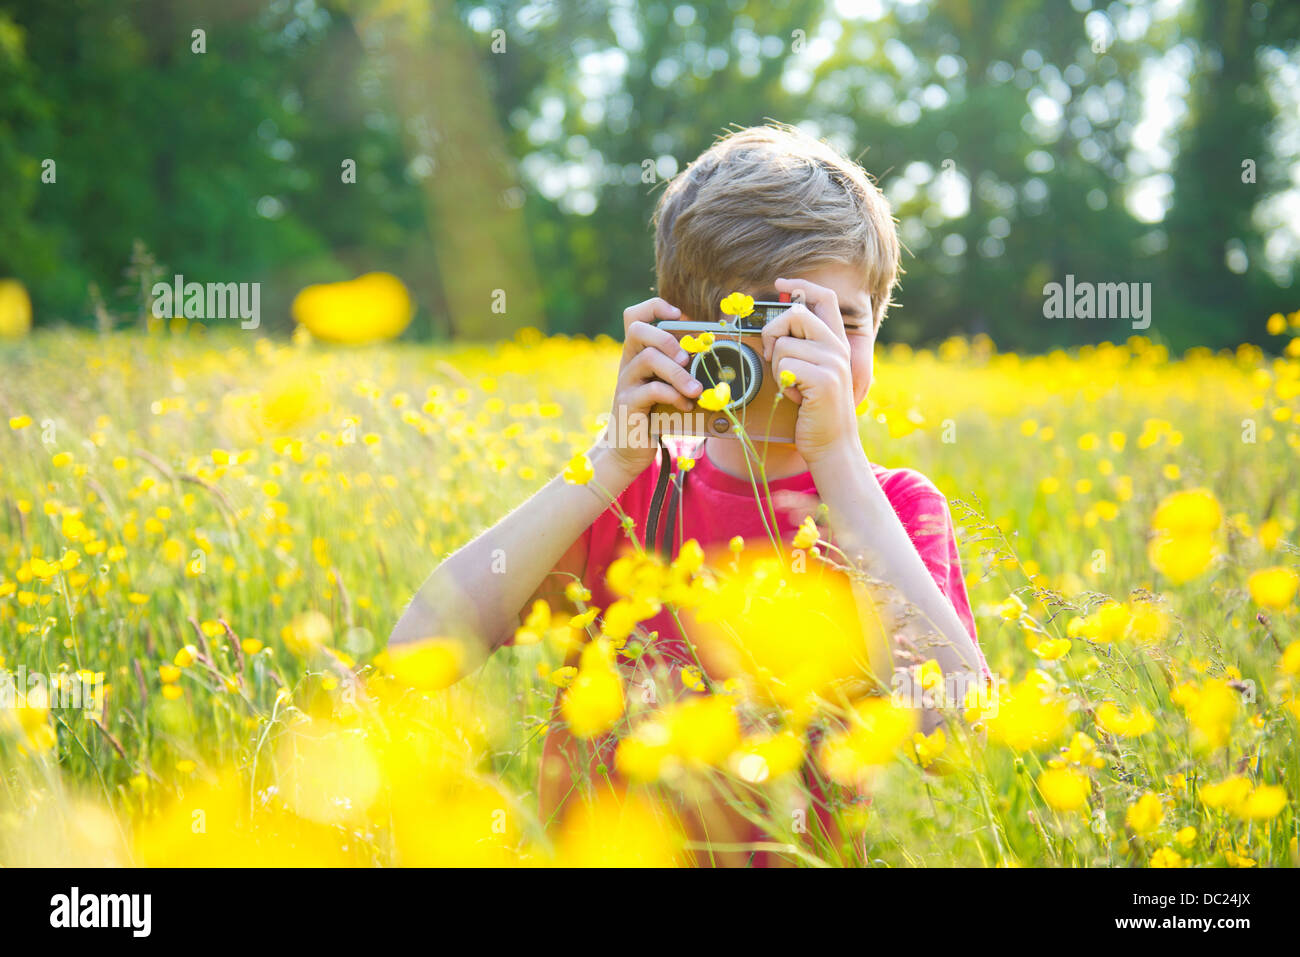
(217, 530)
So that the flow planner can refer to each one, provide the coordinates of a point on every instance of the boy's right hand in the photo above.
(652, 371)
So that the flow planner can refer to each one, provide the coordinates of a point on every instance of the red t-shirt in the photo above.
(716, 506)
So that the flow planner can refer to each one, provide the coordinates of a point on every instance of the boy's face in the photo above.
(856, 309)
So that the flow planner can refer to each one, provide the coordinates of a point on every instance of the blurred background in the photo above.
(503, 159)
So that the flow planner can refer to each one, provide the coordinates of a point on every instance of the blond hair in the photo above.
(768, 201)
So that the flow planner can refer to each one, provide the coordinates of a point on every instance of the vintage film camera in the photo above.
(737, 359)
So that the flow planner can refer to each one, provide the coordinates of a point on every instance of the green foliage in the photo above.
(470, 124)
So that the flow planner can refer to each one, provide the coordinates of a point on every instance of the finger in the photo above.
(798, 322)
(815, 354)
(651, 364)
(648, 311)
(642, 335)
(823, 301)
(642, 397)
(818, 353)
(807, 375)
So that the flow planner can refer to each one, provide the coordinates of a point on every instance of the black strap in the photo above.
(670, 521)
(657, 500)
(662, 542)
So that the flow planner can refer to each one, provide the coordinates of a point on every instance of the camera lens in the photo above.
(733, 363)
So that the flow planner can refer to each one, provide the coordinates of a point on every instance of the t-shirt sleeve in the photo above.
(928, 520)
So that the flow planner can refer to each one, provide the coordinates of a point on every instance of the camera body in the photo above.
(737, 359)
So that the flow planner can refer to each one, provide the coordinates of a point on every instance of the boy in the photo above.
(765, 211)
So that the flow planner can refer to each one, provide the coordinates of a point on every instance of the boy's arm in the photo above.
(873, 537)
(477, 593)
(810, 342)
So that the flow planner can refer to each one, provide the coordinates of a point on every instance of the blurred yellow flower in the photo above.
(594, 699)
(1113, 720)
(877, 729)
(427, 665)
(1184, 526)
(1065, 789)
(15, 309)
(370, 308)
(1145, 814)
(1273, 587)
(307, 633)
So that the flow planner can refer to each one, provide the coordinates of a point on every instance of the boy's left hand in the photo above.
(809, 341)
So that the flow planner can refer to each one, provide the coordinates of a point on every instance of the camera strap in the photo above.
(672, 484)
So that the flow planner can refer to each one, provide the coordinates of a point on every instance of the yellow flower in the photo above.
(19, 421)
(1148, 622)
(1027, 715)
(185, 657)
(878, 727)
(1186, 836)
(15, 309)
(1111, 719)
(1145, 814)
(42, 569)
(535, 625)
(738, 304)
(430, 664)
(1273, 587)
(1065, 789)
(927, 748)
(307, 633)
(695, 345)
(1262, 803)
(1290, 662)
(169, 673)
(929, 674)
(1211, 709)
(1167, 857)
(1184, 526)
(594, 699)
(370, 308)
(767, 757)
(1082, 751)
(171, 692)
(1228, 794)
(703, 731)
(1270, 533)
(1108, 623)
(716, 398)
(616, 832)
(1051, 649)
(579, 470)
(787, 379)
(693, 678)
(562, 677)
(807, 535)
